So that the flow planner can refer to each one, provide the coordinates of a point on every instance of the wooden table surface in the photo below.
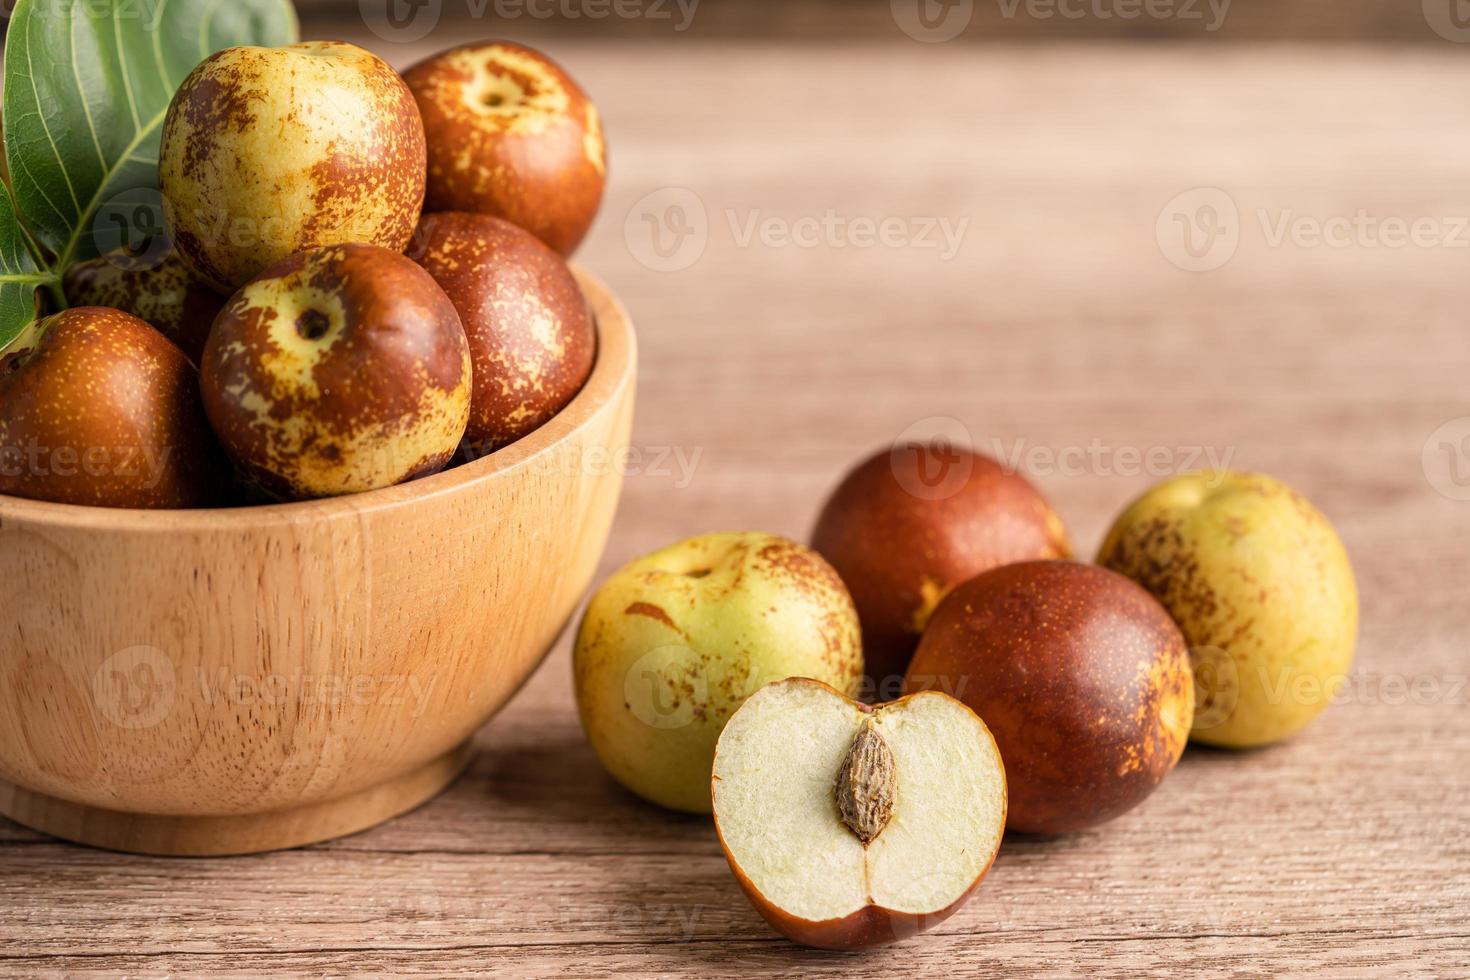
(1058, 326)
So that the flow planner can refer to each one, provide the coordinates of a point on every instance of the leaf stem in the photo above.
(53, 284)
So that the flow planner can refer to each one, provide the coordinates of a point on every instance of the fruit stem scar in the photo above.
(866, 784)
(313, 325)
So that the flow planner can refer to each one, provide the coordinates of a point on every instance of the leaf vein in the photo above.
(71, 243)
(122, 61)
(86, 106)
(158, 47)
(46, 128)
(26, 168)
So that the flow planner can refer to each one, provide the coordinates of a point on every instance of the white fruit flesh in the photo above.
(774, 772)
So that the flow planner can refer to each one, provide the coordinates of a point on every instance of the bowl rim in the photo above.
(612, 372)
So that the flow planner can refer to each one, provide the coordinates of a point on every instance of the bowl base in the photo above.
(139, 833)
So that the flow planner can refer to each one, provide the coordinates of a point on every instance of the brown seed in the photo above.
(866, 785)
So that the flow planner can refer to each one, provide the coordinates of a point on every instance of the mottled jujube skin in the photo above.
(162, 291)
(1262, 589)
(105, 411)
(339, 370)
(531, 333)
(269, 151)
(512, 135)
(675, 641)
(1080, 675)
(910, 523)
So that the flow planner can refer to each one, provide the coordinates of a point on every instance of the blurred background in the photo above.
(1374, 21)
(1104, 240)
(1079, 230)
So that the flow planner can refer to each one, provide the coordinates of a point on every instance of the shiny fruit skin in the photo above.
(1261, 586)
(105, 412)
(531, 333)
(269, 151)
(162, 291)
(674, 642)
(511, 134)
(901, 538)
(339, 370)
(1080, 675)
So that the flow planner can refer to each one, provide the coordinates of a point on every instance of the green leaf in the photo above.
(87, 83)
(20, 275)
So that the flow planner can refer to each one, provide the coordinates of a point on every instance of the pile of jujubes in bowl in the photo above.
(364, 280)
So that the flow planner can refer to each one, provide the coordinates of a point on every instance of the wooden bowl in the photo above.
(234, 681)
